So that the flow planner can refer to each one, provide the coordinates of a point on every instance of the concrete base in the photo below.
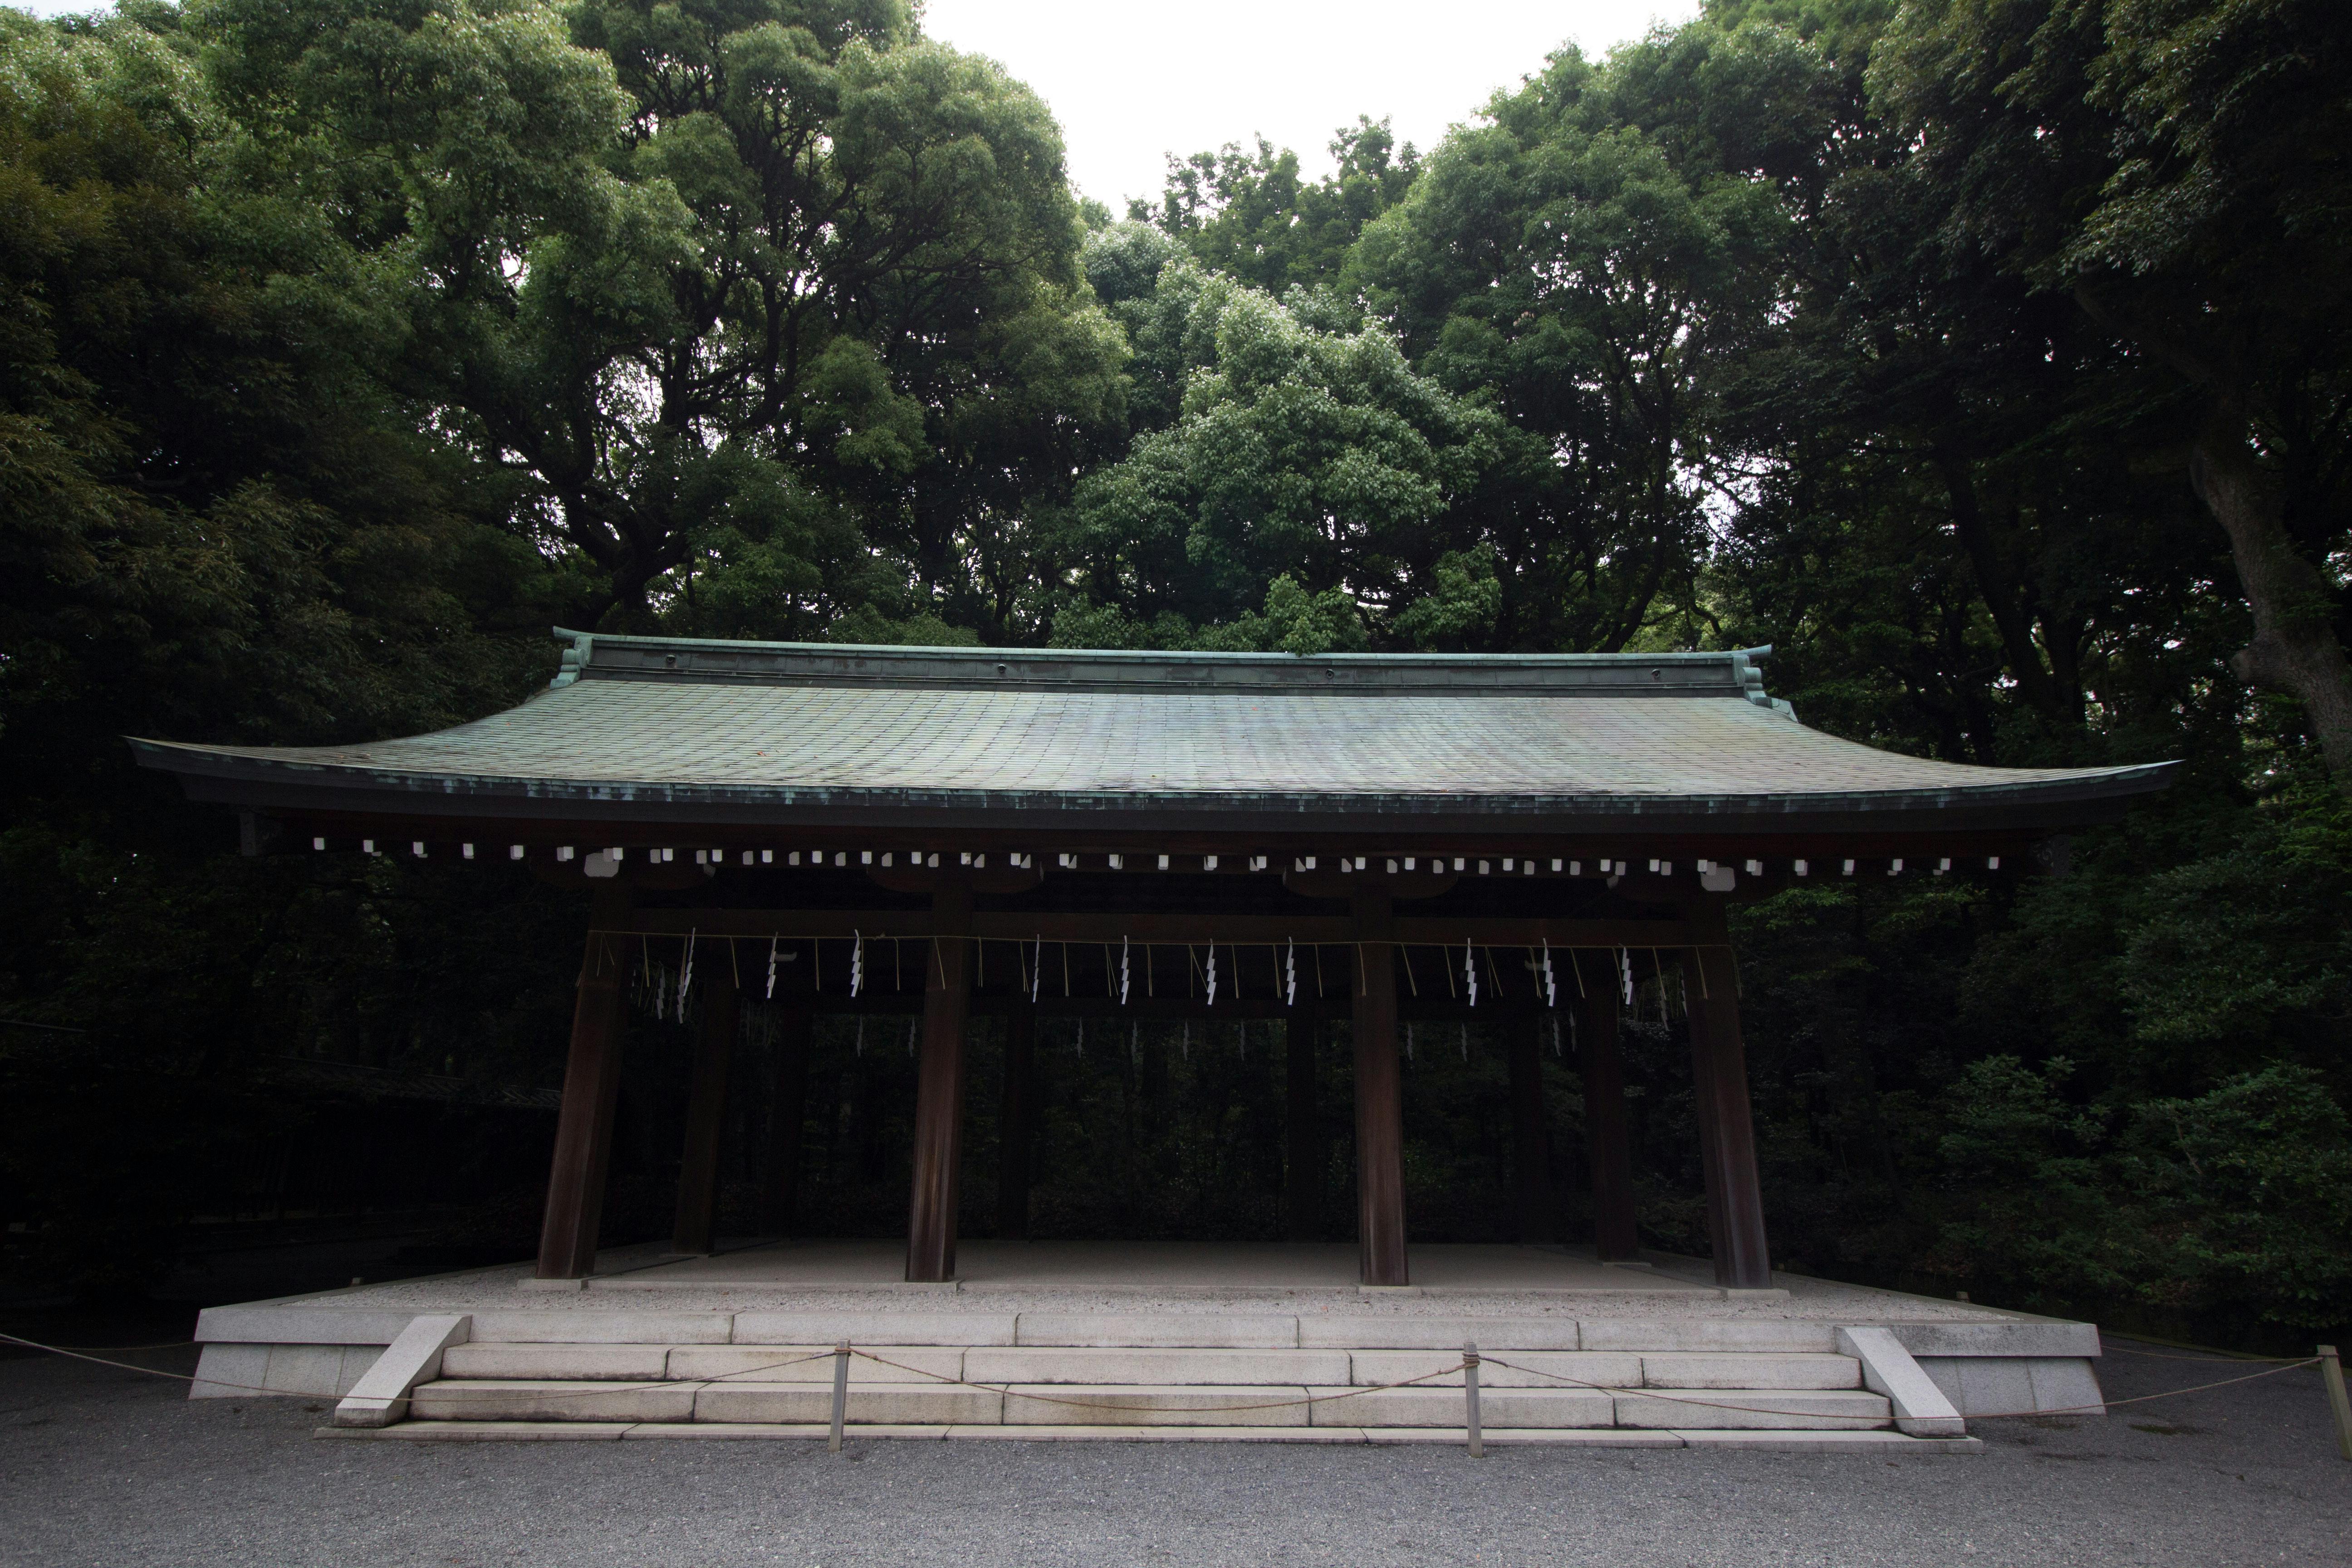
(742, 1339)
(1869, 1445)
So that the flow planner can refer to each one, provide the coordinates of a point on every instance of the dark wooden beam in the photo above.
(788, 1116)
(1160, 927)
(1600, 1064)
(1530, 1140)
(938, 1088)
(592, 1088)
(718, 1013)
(1302, 1162)
(1668, 829)
(1017, 1122)
(1734, 1203)
(1380, 1098)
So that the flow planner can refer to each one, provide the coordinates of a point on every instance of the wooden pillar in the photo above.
(1530, 1141)
(592, 1088)
(1601, 1064)
(1017, 1130)
(1734, 1201)
(719, 1012)
(939, 1090)
(1302, 1172)
(1380, 1098)
(787, 1119)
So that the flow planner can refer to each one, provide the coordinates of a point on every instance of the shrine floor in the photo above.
(765, 1274)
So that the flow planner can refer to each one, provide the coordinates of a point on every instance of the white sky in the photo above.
(1132, 83)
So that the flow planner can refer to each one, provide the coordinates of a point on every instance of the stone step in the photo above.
(1680, 1369)
(1756, 1408)
(1148, 1365)
(1442, 1369)
(1142, 1404)
(1548, 1408)
(529, 1399)
(1136, 1403)
(1156, 1366)
(1171, 1331)
(1876, 1445)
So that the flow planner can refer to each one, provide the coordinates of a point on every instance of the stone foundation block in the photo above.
(901, 1404)
(1663, 1334)
(1131, 1404)
(1201, 1330)
(870, 1329)
(1049, 1364)
(604, 1328)
(1498, 1407)
(1755, 1409)
(1607, 1368)
(813, 1364)
(465, 1399)
(1438, 1333)
(1696, 1369)
(608, 1363)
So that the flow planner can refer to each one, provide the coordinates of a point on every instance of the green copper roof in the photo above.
(676, 728)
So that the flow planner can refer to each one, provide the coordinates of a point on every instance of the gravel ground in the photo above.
(110, 1468)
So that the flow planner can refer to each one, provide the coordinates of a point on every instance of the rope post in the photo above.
(1470, 1398)
(840, 1395)
(2331, 1371)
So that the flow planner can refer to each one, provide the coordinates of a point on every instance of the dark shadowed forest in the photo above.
(1991, 360)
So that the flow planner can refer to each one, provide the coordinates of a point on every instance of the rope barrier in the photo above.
(1007, 1389)
(1982, 1415)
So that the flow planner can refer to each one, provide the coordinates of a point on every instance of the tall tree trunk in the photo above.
(2294, 648)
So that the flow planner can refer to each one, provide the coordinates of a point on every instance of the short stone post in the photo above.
(1470, 1399)
(2331, 1372)
(840, 1394)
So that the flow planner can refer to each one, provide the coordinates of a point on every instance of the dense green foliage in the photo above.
(1990, 359)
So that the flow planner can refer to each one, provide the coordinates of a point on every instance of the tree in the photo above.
(2163, 161)
(1301, 453)
(678, 270)
(1561, 256)
(1247, 214)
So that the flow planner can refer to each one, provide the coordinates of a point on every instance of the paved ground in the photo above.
(106, 1468)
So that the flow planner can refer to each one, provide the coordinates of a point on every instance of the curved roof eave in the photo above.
(337, 787)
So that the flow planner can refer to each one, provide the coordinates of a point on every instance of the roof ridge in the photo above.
(1726, 672)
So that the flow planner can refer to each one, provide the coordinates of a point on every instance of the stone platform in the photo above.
(1147, 1338)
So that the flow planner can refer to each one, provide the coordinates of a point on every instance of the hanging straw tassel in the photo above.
(861, 1036)
(912, 1025)
(1466, 1040)
(1408, 1042)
